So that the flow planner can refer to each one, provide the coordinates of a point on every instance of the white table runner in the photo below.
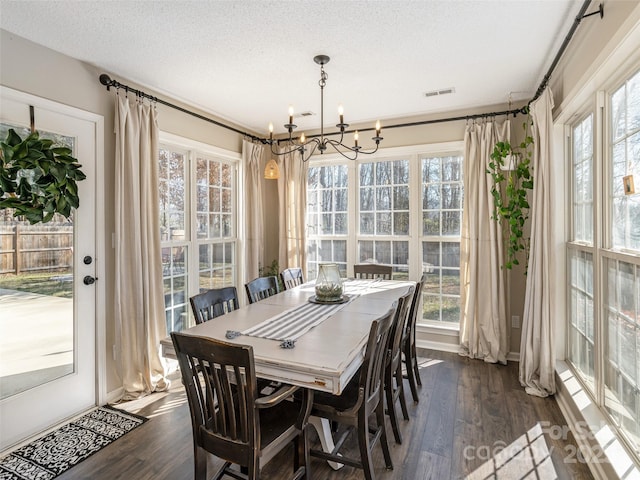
(295, 322)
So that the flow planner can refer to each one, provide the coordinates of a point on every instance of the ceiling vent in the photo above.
(442, 91)
(305, 114)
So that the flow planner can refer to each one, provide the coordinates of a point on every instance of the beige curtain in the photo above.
(537, 356)
(139, 301)
(252, 159)
(292, 193)
(484, 331)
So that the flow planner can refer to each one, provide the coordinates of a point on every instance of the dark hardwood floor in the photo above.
(473, 421)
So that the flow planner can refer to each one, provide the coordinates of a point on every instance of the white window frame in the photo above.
(192, 150)
(598, 103)
(413, 153)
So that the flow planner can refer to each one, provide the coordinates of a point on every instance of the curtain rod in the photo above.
(108, 82)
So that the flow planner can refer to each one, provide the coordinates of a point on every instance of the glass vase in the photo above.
(328, 283)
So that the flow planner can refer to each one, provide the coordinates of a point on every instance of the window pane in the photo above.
(213, 216)
(442, 191)
(625, 151)
(622, 396)
(582, 159)
(581, 336)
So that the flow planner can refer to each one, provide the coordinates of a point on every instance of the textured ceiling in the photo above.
(247, 61)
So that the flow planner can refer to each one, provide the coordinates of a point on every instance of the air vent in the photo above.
(305, 114)
(442, 91)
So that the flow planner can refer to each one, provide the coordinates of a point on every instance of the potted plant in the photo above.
(37, 178)
(511, 170)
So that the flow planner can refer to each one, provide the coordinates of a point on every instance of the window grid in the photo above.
(215, 225)
(603, 268)
(442, 190)
(582, 159)
(622, 355)
(581, 306)
(393, 185)
(625, 154)
(384, 216)
(327, 217)
(208, 229)
(172, 175)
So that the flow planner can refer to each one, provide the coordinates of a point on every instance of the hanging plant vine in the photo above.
(511, 170)
(37, 178)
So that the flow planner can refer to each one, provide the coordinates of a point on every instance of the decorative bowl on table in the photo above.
(328, 284)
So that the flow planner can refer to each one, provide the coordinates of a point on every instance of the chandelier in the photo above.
(308, 146)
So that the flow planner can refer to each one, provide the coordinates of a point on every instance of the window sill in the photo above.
(604, 453)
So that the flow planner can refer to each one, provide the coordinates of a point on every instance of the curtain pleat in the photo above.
(537, 355)
(292, 195)
(139, 308)
(484, 331)
(252, 159)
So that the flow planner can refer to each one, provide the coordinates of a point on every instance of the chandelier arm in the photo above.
(294, 149)
(358, 150)
(337, 147)
(315, 142)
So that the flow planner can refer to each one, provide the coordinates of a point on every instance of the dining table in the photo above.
(300, 342)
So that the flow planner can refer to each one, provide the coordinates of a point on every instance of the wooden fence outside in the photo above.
(26, 248)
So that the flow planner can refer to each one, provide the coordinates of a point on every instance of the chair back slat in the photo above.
(371, 373)
(291, 277)
(410, 327)
(214, 303)
(397, 333)
(372, 271)
(261, 288)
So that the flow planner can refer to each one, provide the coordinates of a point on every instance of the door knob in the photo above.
(89, 280)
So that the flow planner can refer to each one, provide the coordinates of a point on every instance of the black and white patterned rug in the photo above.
(58, 451)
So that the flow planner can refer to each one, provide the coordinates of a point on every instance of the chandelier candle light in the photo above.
(309, 146)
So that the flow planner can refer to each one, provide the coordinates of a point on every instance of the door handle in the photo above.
(89, 280)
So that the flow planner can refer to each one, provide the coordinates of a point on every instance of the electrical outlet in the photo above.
(515, 321)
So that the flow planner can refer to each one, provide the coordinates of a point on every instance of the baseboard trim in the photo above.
(115, 395)
(441, 346)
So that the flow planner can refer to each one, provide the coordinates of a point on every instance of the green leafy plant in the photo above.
(37, 178)
(511, 170)
(272, 270)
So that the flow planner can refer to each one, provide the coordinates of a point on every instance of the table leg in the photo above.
(323, 427)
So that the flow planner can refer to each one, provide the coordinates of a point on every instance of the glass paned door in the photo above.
(47, 328)
(36, 285)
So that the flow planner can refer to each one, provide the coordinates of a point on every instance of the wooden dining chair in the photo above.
(393, 382)
(410, 357)
(360, 399)
(213, 303)
(372, 271)
(261, 288)
(228, 418)
(291, 277)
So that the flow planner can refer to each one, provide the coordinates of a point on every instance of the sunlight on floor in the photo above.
(526, 458)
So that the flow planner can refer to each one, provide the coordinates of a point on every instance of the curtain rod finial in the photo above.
(105, 80)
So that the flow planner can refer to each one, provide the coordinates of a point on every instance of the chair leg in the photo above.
(400, 392)
(365, 451)
(391, 406)
(414, 362)
(411, 375)
(200, 464)
(383, 435)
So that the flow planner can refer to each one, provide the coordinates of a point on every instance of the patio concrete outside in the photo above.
(36, 340)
